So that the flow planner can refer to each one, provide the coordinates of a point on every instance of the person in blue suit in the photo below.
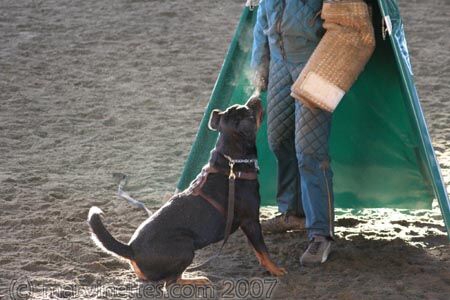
(285, 35)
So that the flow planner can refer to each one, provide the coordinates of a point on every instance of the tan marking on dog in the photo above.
(138, 271)
(270, 266)
(198, 281)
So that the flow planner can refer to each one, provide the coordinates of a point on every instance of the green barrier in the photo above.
(380, 147)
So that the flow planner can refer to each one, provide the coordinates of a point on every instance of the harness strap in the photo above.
(239, 174)
(196, 190)
(211, 201)
(232, 176)
(230, 209)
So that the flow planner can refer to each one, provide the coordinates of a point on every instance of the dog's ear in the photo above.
(214, 120)
(253, 101)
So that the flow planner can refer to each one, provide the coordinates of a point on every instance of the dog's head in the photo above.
(238, 124)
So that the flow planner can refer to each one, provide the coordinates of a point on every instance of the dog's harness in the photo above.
(197, 185)
(195, 189)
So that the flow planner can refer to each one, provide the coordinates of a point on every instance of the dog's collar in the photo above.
(233, 174)
(233, 161)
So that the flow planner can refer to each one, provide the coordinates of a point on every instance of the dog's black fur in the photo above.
(163, 246)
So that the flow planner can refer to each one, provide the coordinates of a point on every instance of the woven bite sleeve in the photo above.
(340, 56)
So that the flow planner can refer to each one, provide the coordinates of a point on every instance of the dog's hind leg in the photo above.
(252, 230)
(138, 271)
(165, 260)
(179, 265)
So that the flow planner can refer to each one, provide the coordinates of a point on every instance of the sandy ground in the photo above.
(89, 88)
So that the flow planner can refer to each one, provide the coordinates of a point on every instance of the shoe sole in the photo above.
(325, 254)
(266, 231)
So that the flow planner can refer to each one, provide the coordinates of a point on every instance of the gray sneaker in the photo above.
(282, 223)
(317, 253)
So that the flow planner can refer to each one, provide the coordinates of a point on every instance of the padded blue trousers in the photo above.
(298, 136)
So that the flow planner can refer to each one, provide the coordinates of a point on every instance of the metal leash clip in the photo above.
(232, 174)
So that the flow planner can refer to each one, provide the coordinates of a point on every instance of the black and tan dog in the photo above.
(163, 246)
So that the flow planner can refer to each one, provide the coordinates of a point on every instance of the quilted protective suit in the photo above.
(285, 35)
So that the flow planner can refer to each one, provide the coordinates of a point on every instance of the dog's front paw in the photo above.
(277, 271)
(270, 266)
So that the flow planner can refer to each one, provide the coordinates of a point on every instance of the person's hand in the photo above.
(251, 4)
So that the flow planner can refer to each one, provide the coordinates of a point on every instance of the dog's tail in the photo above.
(104, 239)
